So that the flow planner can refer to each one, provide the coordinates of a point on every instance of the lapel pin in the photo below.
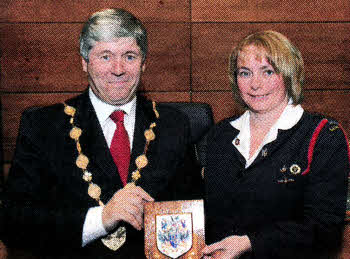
(264, 152)
(295, 169)
(283, 169)
(237, 141)
(333, 128)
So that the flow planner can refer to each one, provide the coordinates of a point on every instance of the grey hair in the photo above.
(109, 24)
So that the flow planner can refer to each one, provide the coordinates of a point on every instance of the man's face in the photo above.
(114, 70)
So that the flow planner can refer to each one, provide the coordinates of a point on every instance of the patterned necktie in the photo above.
(120, 146)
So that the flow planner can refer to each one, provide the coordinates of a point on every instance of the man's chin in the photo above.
(119, 100)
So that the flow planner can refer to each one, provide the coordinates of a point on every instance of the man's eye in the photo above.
(105, 57)
(130, 57)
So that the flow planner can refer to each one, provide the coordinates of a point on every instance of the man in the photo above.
(83, 170)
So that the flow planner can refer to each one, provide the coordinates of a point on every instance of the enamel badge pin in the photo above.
(295, 169)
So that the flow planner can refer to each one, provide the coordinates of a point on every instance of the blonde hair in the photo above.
(283, 56)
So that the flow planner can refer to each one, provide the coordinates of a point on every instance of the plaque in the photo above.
(174, 229)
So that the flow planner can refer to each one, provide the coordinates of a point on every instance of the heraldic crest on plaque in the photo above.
(174, 234)
(174, 229)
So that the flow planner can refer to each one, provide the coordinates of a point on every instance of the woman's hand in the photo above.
(229, 248)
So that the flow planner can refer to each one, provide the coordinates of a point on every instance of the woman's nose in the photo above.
(256, 83)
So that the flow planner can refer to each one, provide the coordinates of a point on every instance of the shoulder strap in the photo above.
(313, 143)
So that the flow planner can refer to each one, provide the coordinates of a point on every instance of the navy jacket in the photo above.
(46, 199)
(301, 217)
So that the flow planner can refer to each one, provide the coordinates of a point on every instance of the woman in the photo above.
(276, 180)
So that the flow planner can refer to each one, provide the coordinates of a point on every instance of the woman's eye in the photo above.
(243, 73)
(269, 72)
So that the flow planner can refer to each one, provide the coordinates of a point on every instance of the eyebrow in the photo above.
(132, 52)
(263, 67)
(243, 68)
(104, 52)
(111, 52)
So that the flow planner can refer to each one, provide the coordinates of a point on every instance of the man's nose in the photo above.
(118, 68)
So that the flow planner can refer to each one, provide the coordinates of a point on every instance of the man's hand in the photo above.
(125, 205)
(229, 248)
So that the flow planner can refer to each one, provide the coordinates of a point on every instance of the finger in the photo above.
(206, 250)
(132, 215)
(212, 248)
(129, 218)
(144, 195)
(137, 202)
(136, 211)
(229, 255)
(136, 191)
(131, 198)
(125, 198)
(139, 219)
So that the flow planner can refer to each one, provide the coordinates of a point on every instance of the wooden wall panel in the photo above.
(41, 58)
(79, 11)
(45, 58)
(325, 49)
(168, 63)
(221, 102)
(330, 103)
(168, 97)
(270, 10)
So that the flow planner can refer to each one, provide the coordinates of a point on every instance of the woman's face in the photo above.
(260, 87)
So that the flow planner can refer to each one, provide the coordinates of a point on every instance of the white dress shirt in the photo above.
(93, 227)
(289, 118)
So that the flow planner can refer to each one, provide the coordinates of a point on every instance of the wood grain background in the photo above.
(189, 45)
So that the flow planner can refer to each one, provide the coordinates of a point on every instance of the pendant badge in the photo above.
(115, 240)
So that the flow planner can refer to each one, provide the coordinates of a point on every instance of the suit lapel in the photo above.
(94, 146)
(229, 134)
(144, 117)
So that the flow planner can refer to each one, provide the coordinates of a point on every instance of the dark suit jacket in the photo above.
(46, 197)
(299, 219)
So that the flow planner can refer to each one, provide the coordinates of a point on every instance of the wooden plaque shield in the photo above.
(174, 229)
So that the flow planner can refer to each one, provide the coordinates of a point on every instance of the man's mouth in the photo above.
(117, 81)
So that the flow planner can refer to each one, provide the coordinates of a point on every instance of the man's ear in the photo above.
(84, 64)
(143, 67)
